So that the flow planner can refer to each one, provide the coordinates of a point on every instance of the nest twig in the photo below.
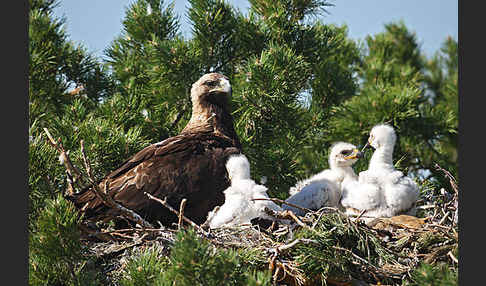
(179, 214)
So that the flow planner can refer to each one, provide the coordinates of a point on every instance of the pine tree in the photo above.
(56, 65)
(394, 90)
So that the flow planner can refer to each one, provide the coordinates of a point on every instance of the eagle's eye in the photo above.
(211, 83)
(346, 152)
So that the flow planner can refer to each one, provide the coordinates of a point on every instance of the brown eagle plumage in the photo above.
(190, 165)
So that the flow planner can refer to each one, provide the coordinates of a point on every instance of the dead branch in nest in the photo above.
(275, 264)
(287, 214)
(452, 257)
(294, 243)
(165, 204)
(360, 214)
(452, 204)
(181, 213)
(451, 178)
(366, 262)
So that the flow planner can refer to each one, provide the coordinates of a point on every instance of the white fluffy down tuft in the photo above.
(239, 206)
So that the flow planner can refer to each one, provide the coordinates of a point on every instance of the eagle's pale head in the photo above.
(343, 154)
(382, 135)
(214, 88)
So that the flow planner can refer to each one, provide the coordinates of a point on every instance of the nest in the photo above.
(382, 252)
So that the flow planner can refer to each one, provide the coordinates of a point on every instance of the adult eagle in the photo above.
(190, 165)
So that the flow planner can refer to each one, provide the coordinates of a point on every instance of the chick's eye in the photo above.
(346, 152)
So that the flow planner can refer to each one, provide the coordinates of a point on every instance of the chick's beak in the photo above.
(355, 155)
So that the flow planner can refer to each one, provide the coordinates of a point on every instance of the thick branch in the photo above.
(74, 175)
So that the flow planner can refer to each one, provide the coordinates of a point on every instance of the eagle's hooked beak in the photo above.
(224, 86)
(355, 155)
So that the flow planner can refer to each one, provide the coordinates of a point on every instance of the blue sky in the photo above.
(95, 23)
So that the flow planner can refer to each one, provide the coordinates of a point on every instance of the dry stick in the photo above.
(285, 215)
(360, 214)
(298, 221)
(70, 168)
(281, 266)
(295, 242)
(451, 178)
(108, 200)
(283, 202)
(443, 219)
(275, 275)
(165, 204)
(181, 212)
(357, 257)
(131, 230)
(452, 257)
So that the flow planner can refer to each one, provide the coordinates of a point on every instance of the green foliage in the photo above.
(145, 268)
(332, 234)
(56, 64)
(192, 261)
(55, 252)
(154, 68)
(195, 262)
(216, 34)
(431, 275)
(269, 116)
(441, 78)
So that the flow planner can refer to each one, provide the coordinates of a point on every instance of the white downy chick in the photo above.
(239, 206)
(381, 190)
(324, 188)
